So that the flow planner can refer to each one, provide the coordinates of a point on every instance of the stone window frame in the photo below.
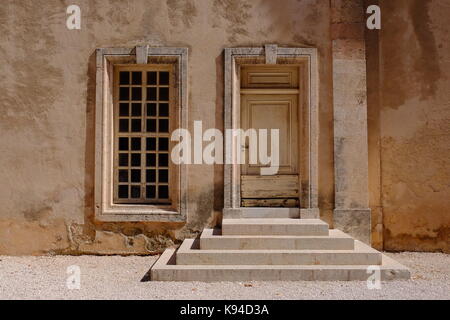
(105, 208)
(270, 54)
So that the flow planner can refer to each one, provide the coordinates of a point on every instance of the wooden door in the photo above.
(266, 106)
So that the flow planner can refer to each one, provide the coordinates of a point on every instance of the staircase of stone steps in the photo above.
(274, 249)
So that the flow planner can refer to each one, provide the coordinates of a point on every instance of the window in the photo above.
(138, 106)
(143, 106)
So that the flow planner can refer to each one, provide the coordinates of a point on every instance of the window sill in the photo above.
(140, 214)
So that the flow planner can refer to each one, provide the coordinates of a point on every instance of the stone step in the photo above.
(189, 253)
(212, 239)
(285, 226)
(249, 213)
(166, 269)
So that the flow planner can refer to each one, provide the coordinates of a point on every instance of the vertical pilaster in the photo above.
(352, 213)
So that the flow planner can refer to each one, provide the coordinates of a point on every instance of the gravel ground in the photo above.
(116, 277)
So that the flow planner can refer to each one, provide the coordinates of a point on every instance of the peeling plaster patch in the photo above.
(204, 215)
(181, 11)
(395, 44)
(36, 215)
(427, 64)
(413, 66)
(415, 190)
(55, 236)
(404, 121)
(344, 11)
(204, 208)
(436, 240)
(121, 14)
(5, 15)
(129, 241)
(22, 237)
(237, 14)
(286, 19)
(30, 88)
(125, 23)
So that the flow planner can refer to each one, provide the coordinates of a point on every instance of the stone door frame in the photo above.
(271, 54)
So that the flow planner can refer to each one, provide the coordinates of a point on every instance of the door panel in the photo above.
(261, 111)
(269, 77)
(271, 203)
(269, 187)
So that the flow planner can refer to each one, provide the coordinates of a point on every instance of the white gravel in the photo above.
(115, 277)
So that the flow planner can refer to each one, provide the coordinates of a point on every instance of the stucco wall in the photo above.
(47, 109)
(47, 113)
(410, 126)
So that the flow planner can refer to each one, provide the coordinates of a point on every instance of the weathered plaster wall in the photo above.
(413, 126)
(47, 109)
